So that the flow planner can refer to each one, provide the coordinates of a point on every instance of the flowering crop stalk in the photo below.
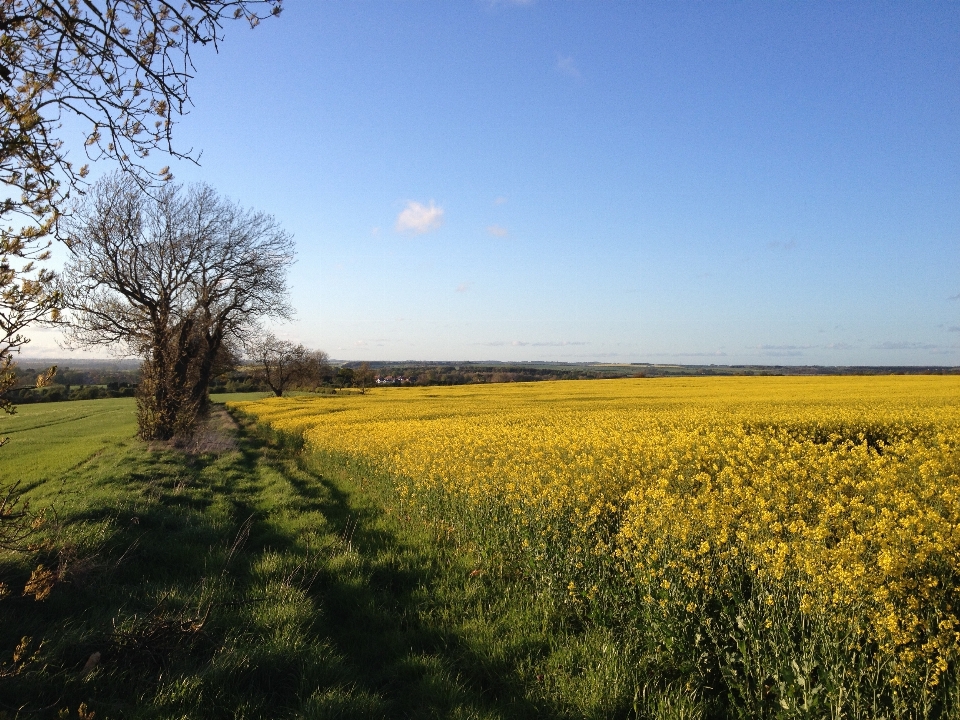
(791, 544)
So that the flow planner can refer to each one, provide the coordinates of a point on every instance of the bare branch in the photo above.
(176, 278)
(123, 67)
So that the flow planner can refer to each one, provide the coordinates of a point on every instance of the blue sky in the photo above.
(614, 181)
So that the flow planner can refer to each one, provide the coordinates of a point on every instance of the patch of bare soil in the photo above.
(216, 435)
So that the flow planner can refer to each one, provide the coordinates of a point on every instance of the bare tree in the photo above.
(120, 66)
(364, 377)
(283, 365)
(316, 370)
(172, 277)
(279, 363)
(238, 279)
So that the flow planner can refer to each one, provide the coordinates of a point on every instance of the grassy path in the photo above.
(256, 584)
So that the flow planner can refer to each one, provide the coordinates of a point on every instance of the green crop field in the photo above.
(47, 439)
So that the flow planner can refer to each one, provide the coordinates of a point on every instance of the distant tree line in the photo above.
(74, 377)
(452, 374)
(277, 366)
(66, 383)
(271, 365)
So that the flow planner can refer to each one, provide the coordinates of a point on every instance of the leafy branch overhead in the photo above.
(122, 68)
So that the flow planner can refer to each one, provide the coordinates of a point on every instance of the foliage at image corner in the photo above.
(122, 67)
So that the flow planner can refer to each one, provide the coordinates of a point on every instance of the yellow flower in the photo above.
(838, 497)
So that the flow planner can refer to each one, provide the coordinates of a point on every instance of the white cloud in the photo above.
(417, 218)
(525, 343)
(785, 348)
(562, 343)
(782, 245)
(904, 346)
(567, 66)
(718, 353)
(497, 231)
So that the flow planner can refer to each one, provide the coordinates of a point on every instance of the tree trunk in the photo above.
(209, 347)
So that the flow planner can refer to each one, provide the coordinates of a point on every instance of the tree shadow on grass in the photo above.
(374, 593)
(247, 585)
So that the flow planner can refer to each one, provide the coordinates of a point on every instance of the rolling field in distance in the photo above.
(761, 547)
(47, 439)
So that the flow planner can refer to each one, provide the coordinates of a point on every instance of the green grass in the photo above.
(260, 583)
(47, 439)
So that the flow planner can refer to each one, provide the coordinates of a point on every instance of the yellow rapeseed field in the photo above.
(795, 541)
